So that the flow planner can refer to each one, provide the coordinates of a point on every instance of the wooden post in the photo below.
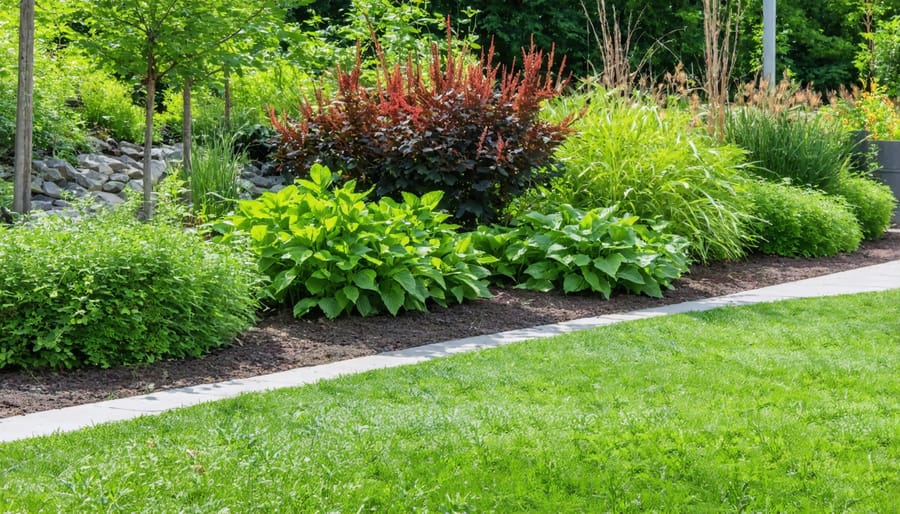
(24, 109)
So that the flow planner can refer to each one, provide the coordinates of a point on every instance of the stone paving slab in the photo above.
(880, 277)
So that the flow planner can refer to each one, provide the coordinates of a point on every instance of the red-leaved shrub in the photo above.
(466, 127)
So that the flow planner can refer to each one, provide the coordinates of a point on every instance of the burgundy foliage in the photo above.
(464, 126)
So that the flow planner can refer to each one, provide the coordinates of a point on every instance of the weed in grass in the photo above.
(779, 407)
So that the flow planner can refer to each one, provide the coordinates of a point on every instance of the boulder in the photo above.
(119, 177)
(108, 198)
(36, 185)
(94, 162)
(52, 190)
(65, 169)
(114, 186)
(90, 179)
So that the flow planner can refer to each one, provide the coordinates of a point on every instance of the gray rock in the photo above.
(90, 179)
(257, 191)
(99, 145)
(269, 168)
(263, 182)
(277, 187)
(120, 177)
(114, 186)
(41, 198)
(61, 204)
(52, 190)
(41, 205)
(135, 173)
(157, 171)
(176, 155)
(75, 189)
(94, 162)
(136, 185)
(36, 185)
(128, 161)
(108, 198)
(65, 169)
(6, 172)
(131, 150)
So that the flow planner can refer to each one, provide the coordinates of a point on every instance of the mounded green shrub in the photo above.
(652, 164)
(325, 247)
(106, 291)
(107, 105)
(798, 222)
(872, 202)
(585, 251)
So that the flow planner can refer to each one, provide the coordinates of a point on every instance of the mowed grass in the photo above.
(786, 407)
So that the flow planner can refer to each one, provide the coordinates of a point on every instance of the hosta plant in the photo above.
(585, 251)
(327, 248)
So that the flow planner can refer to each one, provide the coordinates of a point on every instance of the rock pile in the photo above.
(117, 167)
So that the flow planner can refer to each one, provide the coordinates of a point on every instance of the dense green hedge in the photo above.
(799, 222)
(106, 291)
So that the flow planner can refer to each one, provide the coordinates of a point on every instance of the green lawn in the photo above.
(784, 407)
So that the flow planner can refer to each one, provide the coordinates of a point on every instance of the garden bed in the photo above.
(279, 342)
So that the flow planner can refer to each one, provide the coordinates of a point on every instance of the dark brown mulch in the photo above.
(280, 342)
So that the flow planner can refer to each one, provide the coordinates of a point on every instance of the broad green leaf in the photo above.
(610, 264)
(393, 296)
(365, 279)
(351, 292)
(330, 306)
(303, 306)
(408, 282)
(574, 283)
(364, 306)
(630, 274)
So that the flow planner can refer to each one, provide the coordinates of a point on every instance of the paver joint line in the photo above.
(879, 277)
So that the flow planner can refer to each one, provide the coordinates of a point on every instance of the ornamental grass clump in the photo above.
(327, 249)
(107, 290)
(653, 164)
(454, 124)
(590, 250)
(803, 147)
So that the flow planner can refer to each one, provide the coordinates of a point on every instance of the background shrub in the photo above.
(872, 202)
(652, 164)
(585, 251)
(799, 222)
(107, 106)
(803, 147)
(448, 125)
(107, 290)
(329, 249)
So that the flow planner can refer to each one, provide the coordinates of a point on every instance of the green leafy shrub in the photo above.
(651, 163)
(106, 291)
(872, 202)
(107, 106)
(585, 250)
(805, 148)
(330, 249)
(457, 126)
(798, 222)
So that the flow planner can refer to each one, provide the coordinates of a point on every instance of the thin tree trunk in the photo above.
(187, 124)
(24, 109)
(227, 100)
(148, 138)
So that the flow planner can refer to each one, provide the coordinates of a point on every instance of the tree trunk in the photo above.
(227, 101)
(148, 139)
(187, 132)
(24, 109)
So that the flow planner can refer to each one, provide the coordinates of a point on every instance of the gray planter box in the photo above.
(888, 167)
